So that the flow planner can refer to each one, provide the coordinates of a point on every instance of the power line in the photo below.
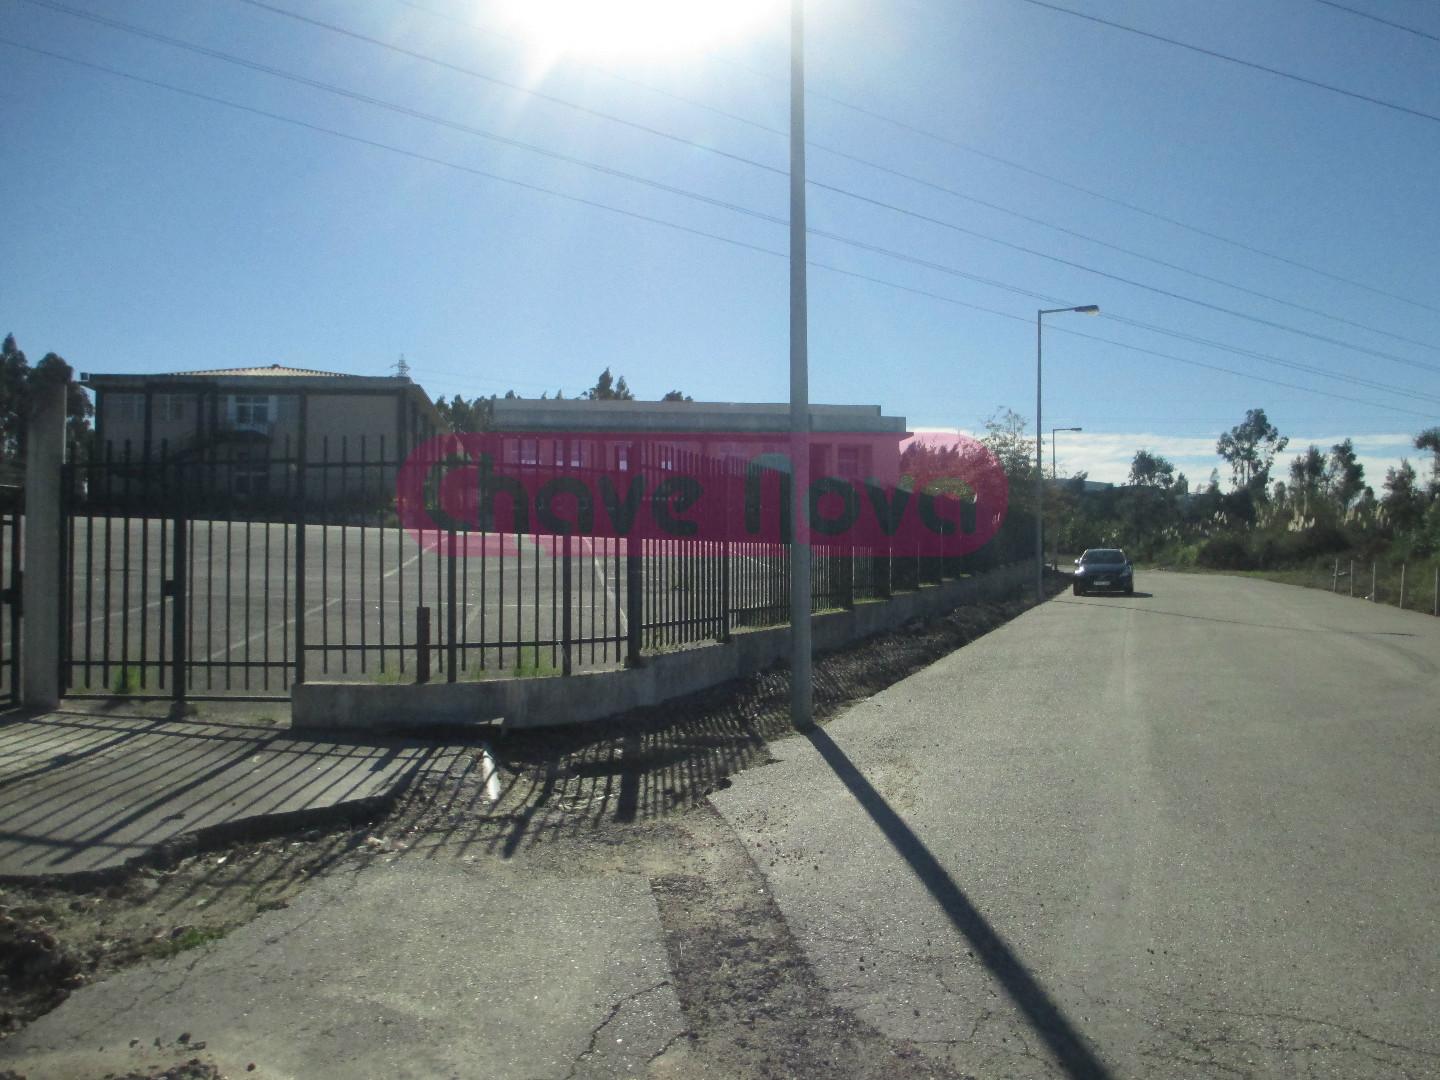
(403, 110)
(889, 170)
(516, 87)
(375, 144)
(1119, 248)
(540, 189)
(1131, 282)
(1267, 358)
(944, 268)
(986, 155)
(723, 204)
(1378, 19)
(1213, 54)
(640, 84)
(694, 144)
(1029, 321)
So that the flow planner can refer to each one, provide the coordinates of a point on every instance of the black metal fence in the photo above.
(244, 569)
(12, 524)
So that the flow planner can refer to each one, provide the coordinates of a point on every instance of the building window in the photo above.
(126, 408)
(249, 477)
(848, 462)
(169, 407)
(251, 410)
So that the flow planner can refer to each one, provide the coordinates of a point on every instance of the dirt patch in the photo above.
(753, 1003)
(591, 784)
(57, 935)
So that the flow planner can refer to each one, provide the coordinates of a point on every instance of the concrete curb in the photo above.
(593, 696)
(254, 828)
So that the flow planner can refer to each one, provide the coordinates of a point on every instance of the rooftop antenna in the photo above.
(402, 369)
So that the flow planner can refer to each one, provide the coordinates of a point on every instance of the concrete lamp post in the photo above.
(801, 693)
(1055, 475)
(1084, 309)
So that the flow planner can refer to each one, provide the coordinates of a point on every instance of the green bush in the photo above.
(1225, 553)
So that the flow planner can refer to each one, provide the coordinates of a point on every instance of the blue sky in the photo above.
(150, 231)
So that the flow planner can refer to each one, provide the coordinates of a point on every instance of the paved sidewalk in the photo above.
(90, 790)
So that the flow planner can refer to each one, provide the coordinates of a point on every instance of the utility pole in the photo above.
(801, 700)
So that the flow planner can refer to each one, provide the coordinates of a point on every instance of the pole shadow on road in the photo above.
(1066, 1044)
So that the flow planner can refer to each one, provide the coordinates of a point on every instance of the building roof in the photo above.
(265, 379)
(267, 369)
(571, 414)
(268, 377)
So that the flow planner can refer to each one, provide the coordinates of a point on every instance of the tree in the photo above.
(606, 388)
(1005, 438)
(18, 384)
(1250, 448)
(14, 377)
(1307, 473)
(1151, 470)
(1429, 439)
(1344, 475)
(462, 415)
(1403, 503)
(676, 395)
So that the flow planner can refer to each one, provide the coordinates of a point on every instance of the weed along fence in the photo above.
(250, 569)
(541, 702)
(1412, 586)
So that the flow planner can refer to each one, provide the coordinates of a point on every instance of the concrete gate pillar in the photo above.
(40, 592)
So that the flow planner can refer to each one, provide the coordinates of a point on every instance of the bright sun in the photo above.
(635, 28)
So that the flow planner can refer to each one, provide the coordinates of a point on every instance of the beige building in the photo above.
(254, 425)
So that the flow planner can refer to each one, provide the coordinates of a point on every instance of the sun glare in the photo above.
(635, 28)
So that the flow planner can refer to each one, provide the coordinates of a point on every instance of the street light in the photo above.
(1054, 476)
(1084, 309)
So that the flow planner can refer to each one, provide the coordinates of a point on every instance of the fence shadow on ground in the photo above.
(651, 762)
(90, 791)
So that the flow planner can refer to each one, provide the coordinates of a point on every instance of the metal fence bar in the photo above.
(11, 545)
(640, 595)
(179, 572)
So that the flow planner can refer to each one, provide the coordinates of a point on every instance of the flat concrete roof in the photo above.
(527, 414)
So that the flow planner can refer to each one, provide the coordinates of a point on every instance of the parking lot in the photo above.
(362, 589)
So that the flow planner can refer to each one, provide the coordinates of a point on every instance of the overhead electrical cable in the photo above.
(1215, 55)
(1396, 358)
(1131, 252)
(518, 88)
(1029, 321)
(635, 215)
(724, 204)
(404, 110)
(968, 148)
(1378, 19)
(554, 99)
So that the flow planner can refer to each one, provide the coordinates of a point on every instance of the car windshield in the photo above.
(1103, 556)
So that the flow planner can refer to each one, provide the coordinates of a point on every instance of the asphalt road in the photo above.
(1190, 833)
(1194, 832)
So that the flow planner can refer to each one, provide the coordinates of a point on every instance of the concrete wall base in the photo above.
(552, 701)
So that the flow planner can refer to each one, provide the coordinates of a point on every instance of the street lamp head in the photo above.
(1087, 309)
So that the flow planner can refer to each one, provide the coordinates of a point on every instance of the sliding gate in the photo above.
(170, 587)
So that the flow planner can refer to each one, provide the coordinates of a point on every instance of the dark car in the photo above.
(1104, 570)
